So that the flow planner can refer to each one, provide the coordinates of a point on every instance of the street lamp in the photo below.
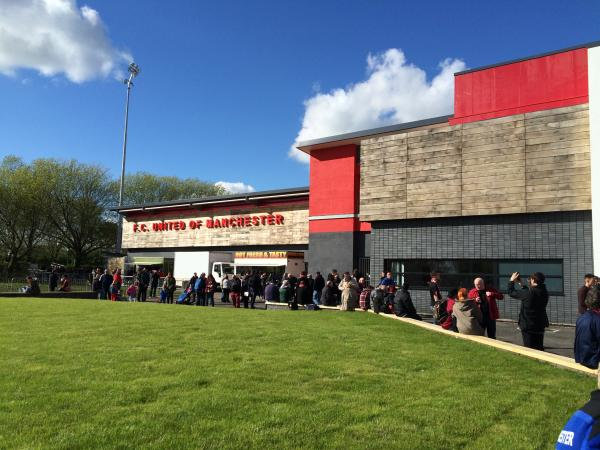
(134, 71)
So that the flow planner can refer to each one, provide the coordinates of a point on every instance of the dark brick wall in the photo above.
(557, 235)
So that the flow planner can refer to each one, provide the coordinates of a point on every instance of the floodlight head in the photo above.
(134, 69)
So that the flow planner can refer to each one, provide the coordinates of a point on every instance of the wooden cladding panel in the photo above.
(533, 162)
(383, 160)
(558, 178)
(432, 185)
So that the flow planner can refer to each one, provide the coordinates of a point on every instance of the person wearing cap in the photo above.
(533, 319)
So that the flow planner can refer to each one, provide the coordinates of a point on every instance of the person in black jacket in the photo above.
(318, 286)
(106, 280)
(254, 288)
(533, 319)
(303, 290)
(403, 304)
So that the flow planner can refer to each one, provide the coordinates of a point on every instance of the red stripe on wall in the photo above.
(536, 84)
(338, 225)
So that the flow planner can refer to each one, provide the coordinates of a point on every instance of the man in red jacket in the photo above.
(486, 299)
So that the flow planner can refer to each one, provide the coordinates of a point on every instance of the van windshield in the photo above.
(227, 269)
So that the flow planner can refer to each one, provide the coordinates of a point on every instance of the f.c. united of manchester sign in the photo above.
(225, 222)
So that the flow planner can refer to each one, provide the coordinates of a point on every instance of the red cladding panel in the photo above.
(334, 181)
(547, 82)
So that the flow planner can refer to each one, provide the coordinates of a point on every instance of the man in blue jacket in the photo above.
(587, 331)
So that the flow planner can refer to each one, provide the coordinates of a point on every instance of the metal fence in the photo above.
(16, 284)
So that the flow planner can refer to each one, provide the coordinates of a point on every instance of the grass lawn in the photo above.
(86, 373)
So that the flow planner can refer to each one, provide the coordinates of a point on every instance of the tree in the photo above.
(22, 221)
(142, 187)
(79, 197)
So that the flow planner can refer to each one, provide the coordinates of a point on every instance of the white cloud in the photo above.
(56, 37)
(235, 188)
(394, 92)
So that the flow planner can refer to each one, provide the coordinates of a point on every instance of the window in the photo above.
(461, 272)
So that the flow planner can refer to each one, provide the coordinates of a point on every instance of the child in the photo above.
(132, 292)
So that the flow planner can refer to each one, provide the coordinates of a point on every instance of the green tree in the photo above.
(142, 187)
(76, 208)
(22, 222)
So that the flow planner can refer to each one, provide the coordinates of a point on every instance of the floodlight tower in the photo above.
(134, 71)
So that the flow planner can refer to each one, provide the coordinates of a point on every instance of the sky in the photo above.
(227, 88)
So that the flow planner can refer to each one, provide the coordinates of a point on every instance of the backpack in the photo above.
(582, 431)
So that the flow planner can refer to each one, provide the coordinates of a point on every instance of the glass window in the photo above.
(456, 273)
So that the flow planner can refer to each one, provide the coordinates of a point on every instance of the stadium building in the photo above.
(502, 185)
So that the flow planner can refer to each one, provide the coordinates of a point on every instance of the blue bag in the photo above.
(163, 295)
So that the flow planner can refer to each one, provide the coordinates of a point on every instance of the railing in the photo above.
(15, 284)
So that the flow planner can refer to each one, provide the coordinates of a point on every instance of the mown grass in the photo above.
(88, 374)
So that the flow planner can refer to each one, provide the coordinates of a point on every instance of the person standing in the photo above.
(105, 281)
(485, 297)
(589, 280)
(96, 281)
(154, 282)
(53, 280)
(254, 288)
(169, 286)
(434, 289)
(349, 290)
(225, 287)
(236, 291)
(587, 331)
(318, 288)
(200, 288)
(211, 286)
(192, 287)
(303, 290)
(533, 319)
(115, 287)
(143, 280)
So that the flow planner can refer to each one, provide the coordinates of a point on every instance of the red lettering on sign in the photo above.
(232, 222)
(209, 223)
(144, 228)
(240, 221)
(255, 221)
(176, 226)
(247, 221)
(217, 223)
(193, 224)
(181, 225)
(135, 227)
(263, 220)
(278, 219)
(225, 223)
(271, 220)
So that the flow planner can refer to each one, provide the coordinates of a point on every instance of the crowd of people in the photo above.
(471, 311)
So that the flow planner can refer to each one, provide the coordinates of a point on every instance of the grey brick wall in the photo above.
(556, 235)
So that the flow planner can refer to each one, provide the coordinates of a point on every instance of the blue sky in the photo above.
(223, 84)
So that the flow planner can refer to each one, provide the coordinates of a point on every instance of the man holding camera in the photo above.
(533, 319)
